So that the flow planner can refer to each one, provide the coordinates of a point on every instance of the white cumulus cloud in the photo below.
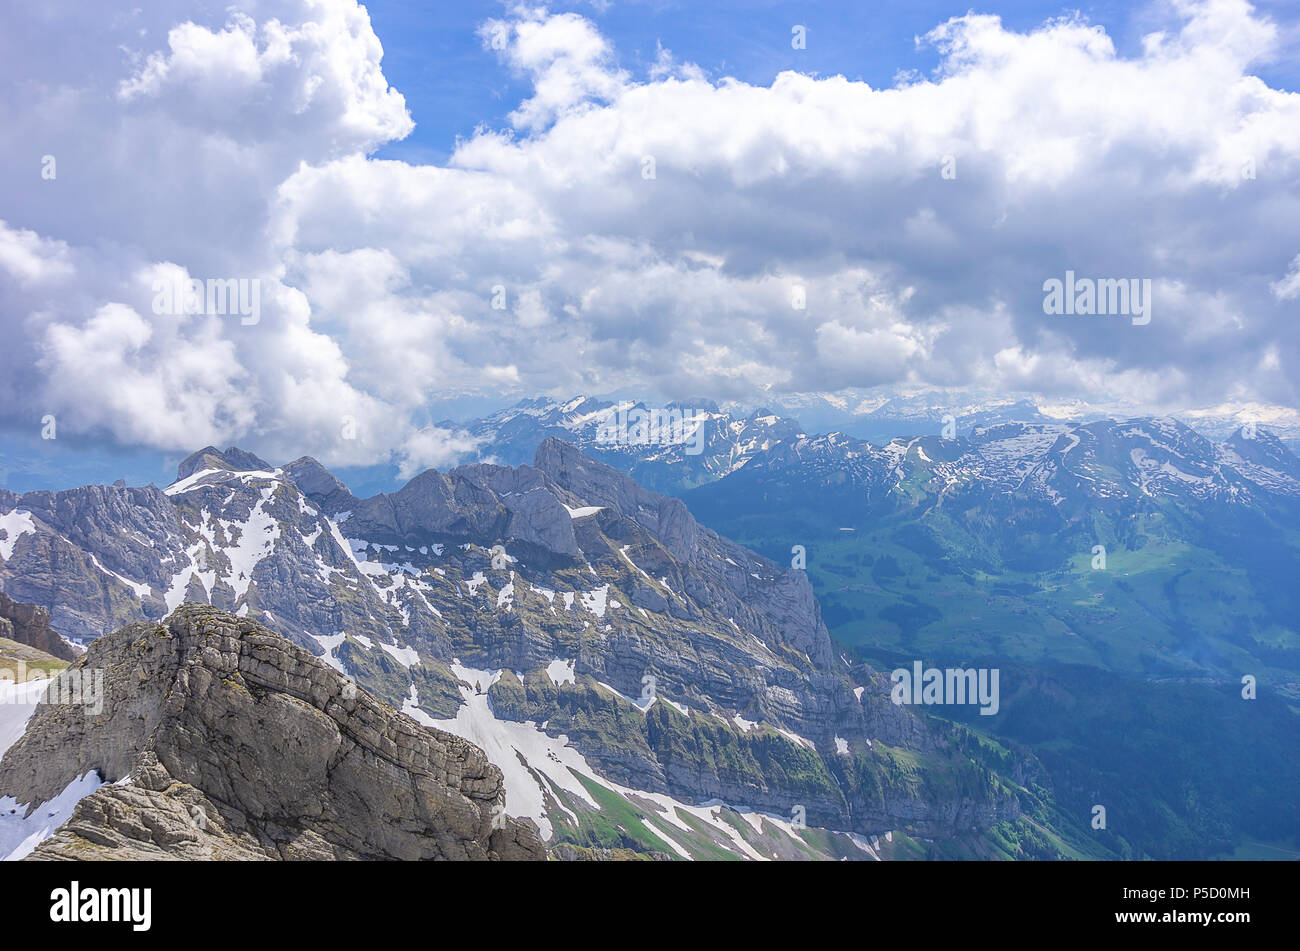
(624, 231)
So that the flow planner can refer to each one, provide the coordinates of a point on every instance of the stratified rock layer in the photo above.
(220, 739)
(30, 624)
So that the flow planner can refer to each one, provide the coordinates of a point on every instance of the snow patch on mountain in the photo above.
(561, 672)
(22, 830)
(331, 643)
(406, 656)
(14, 524)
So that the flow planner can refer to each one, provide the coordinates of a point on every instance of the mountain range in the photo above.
(647, 686)
(1136, 571)
(641, 682)
(707, 444)
(735, 433)
(993, 526)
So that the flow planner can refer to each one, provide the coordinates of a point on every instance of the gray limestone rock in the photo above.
(220, 739)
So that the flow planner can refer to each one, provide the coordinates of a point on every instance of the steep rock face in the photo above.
(30, 624)
(318, 483)
(221, 739)
(660, 515)
(96, 557)
(479, 502)
(721, 573)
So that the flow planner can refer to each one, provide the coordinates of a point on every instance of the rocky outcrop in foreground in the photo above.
(220, 739)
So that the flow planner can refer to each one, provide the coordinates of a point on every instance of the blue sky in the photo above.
(432, 54)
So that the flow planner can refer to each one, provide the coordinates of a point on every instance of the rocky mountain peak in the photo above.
(233, 459)
(1260, 445)
(320, 485)
(602, 485)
